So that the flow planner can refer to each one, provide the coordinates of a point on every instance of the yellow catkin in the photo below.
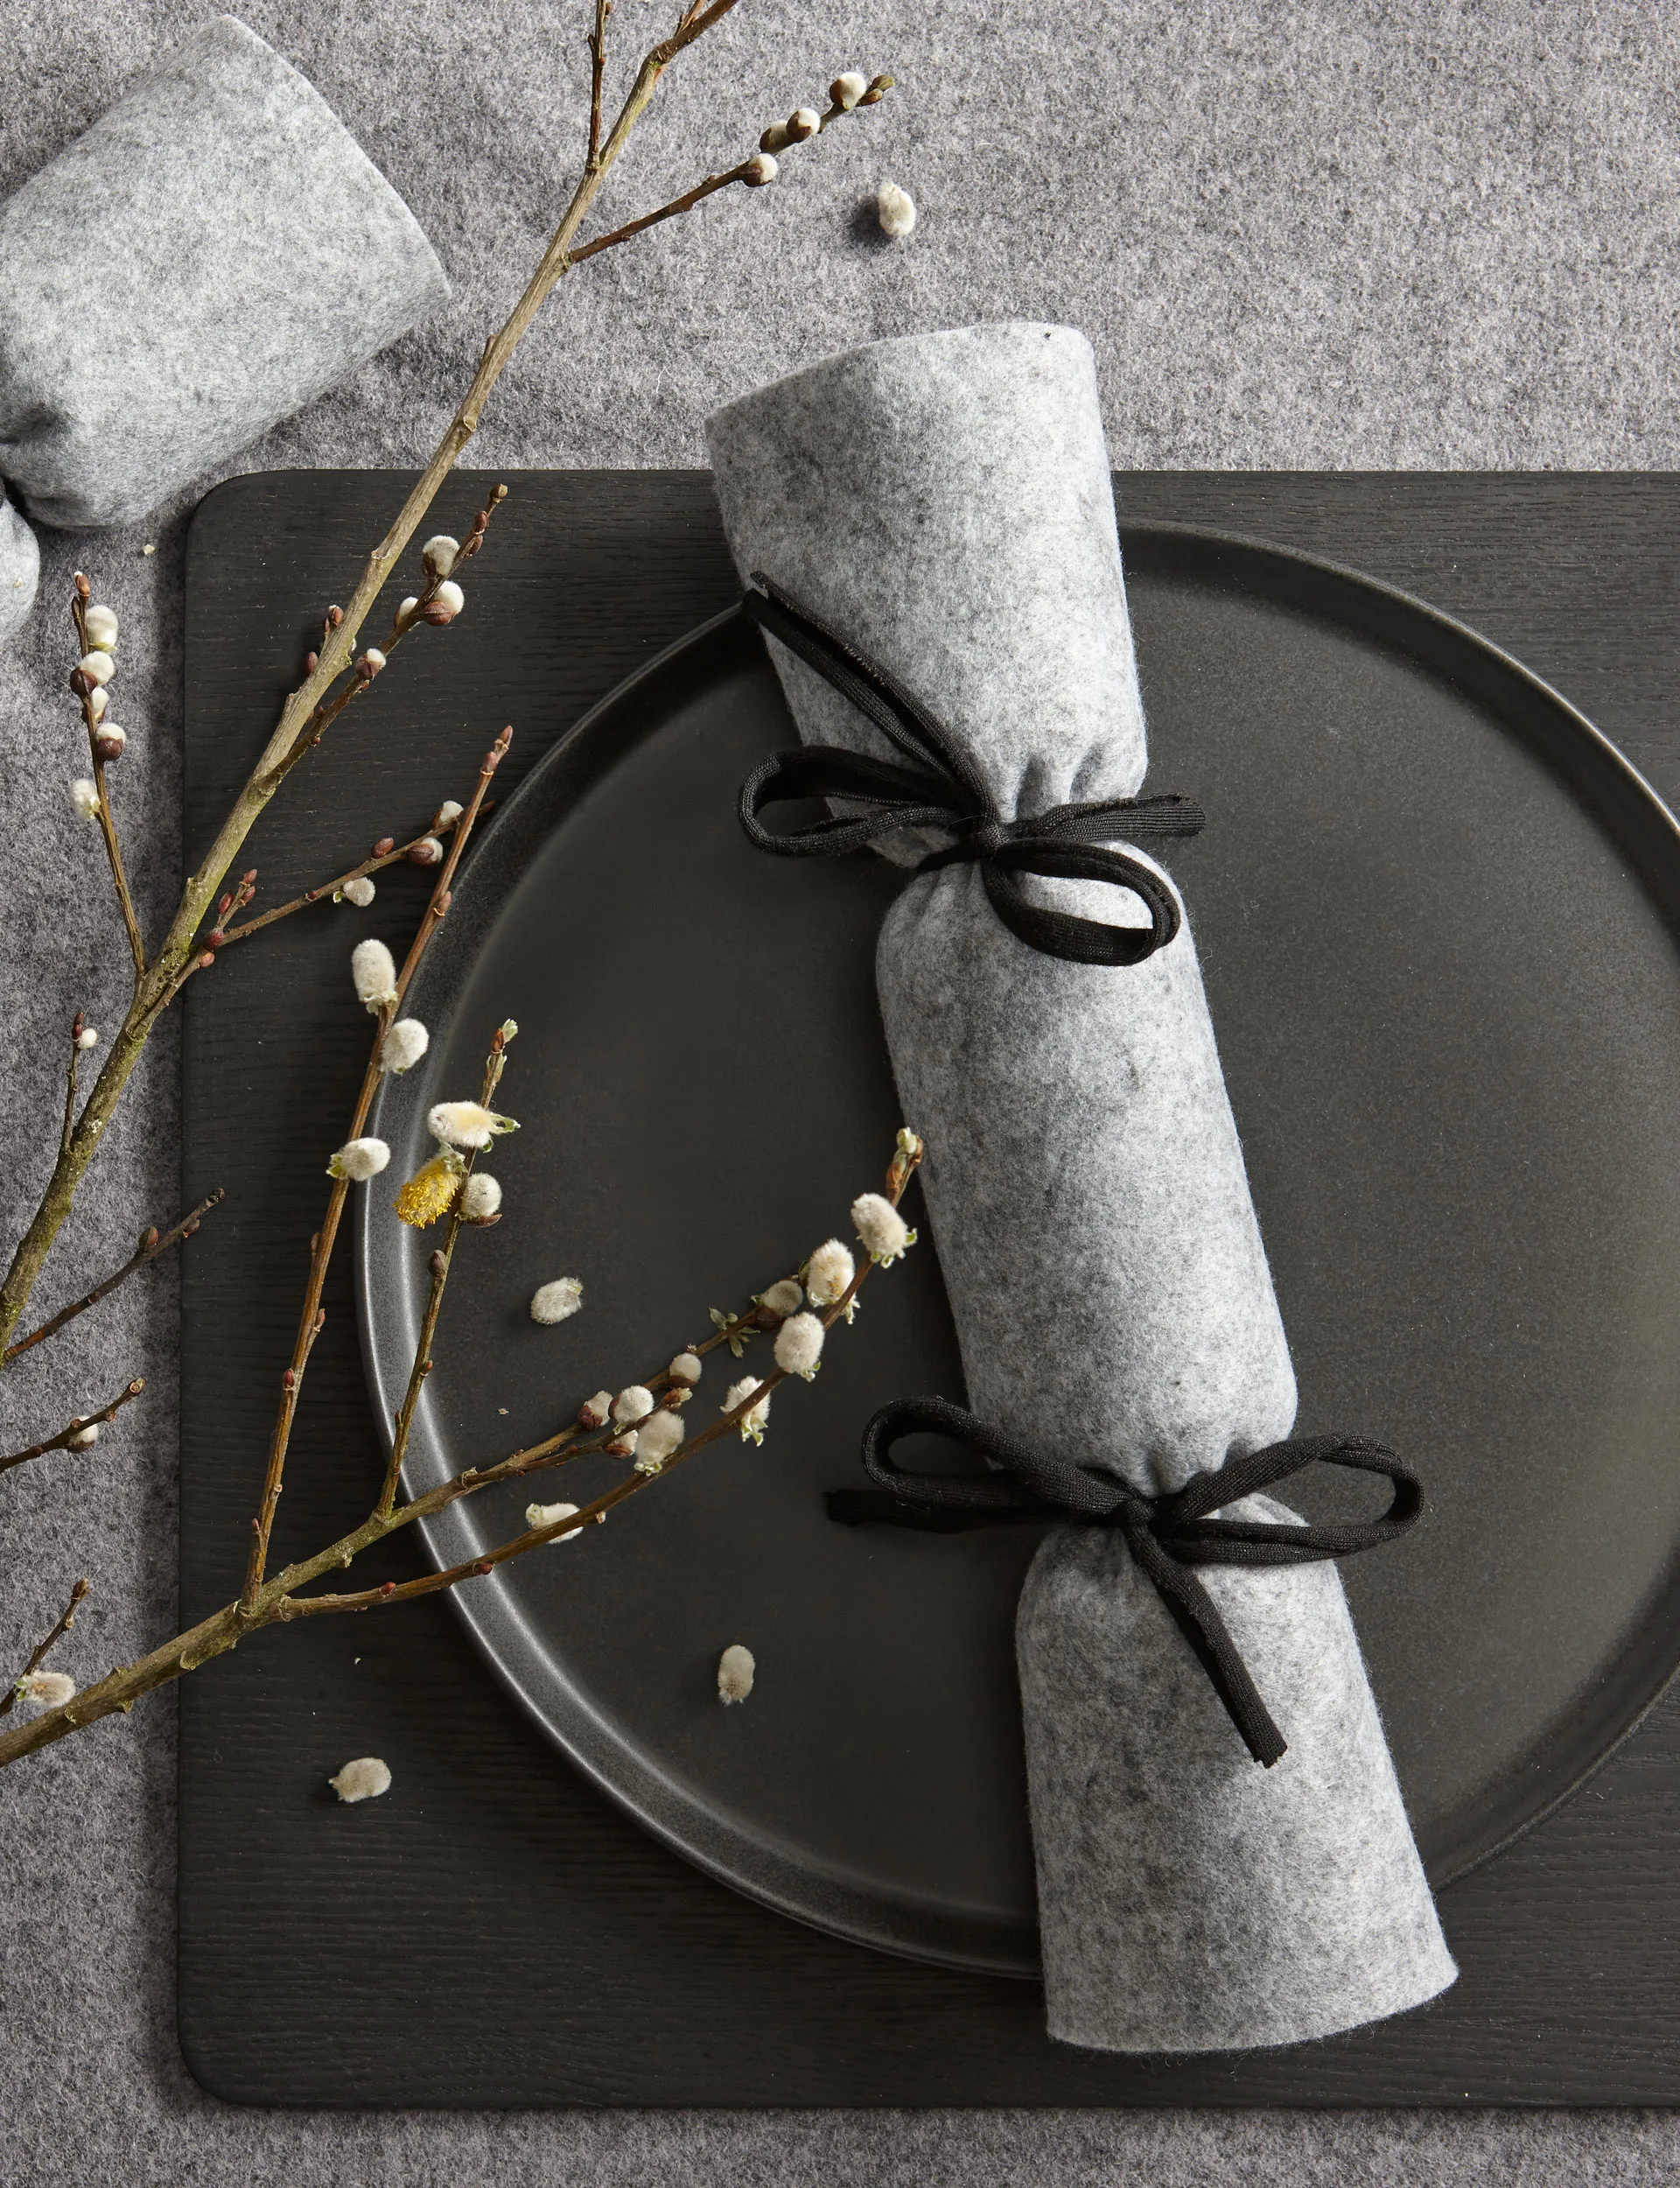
(428, 1194)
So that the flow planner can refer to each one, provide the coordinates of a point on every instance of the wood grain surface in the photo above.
(500, 1935)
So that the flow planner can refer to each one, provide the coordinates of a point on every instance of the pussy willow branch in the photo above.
(79, 600)
(162, 979)
(152, 1243)
(277, 1603)
(324, 891)
(67, 1436)
(596, 44)
(8, 1701)
(495, 1063)
(310, 1319)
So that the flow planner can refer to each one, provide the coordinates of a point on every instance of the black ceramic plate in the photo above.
(1436, 914)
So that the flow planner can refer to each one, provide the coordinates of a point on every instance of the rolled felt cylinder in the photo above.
(945, 502)
(214, 252)
(20, 569)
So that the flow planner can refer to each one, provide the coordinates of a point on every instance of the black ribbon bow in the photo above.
(1167, 1535)
(943, 789)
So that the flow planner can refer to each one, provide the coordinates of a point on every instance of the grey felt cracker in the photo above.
(946, 501)
(213, 253)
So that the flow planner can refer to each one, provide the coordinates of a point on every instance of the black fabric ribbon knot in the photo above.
(943, 789)
(1167, 1535)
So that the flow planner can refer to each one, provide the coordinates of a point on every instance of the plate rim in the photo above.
(491, 1619)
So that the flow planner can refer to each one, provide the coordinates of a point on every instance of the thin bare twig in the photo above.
(66, 1439)
(152, 1243)
(597, 69)
(310, 1319)
(77, 1593)
(179, 955)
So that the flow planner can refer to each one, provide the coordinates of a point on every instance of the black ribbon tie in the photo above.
(942, 788)
(1167, 1535)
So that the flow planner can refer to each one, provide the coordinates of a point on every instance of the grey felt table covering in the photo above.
(213, 253)
(943, 500)
(1373, 237)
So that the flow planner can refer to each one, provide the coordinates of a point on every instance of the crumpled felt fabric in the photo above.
(212, 254)
(945, 501)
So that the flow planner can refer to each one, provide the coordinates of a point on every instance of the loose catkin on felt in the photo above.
(945, 502)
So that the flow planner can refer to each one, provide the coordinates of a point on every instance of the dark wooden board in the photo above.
(494, 1932)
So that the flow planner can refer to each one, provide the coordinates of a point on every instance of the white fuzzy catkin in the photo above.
(756, 1419)
(98, 700)
(448, 811)
(88, 1037)
(97, 666)
(359, 892)
(438, 554)
(760, 169)
(895, 209)
(557, 1302)
(634, 1403)
(364, 1779)
(594, 1413)
(830, 1269)
(51, 1689)
(736, 1671)
(407, 606)
(480, 1197)
(783, 1298)
(84, 1438)
(685, 1368)
(846, 90)
(358, 1159)
(403, 1046)
(373, 970)
(84, 795)
(448, 595)
(101, 625)
(799, 1345)
(466, 1123)
(548, 1515)
(657, 1438)
(882, 1231)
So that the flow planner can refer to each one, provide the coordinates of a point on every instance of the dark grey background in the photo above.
(1405, 235)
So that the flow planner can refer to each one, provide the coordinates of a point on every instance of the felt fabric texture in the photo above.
(1189, 1901)
(1353, 235)
(943, 502)
(211, 255)
(20, 566)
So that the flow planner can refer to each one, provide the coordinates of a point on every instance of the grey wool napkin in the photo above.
(214, 252)
(944, 502)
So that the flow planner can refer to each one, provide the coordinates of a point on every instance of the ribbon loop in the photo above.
(943, 789)
(1167, 1535)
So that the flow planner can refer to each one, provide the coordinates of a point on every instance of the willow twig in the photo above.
(278, 1600)
(158, 982)
(597, 69)
(152, 1243)
(438, 1268)
(84, 692)
(311, 1318)
(66, 1439)
(324, 891)
(9, 1699)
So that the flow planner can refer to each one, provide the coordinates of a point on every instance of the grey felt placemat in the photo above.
(1396, 235)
